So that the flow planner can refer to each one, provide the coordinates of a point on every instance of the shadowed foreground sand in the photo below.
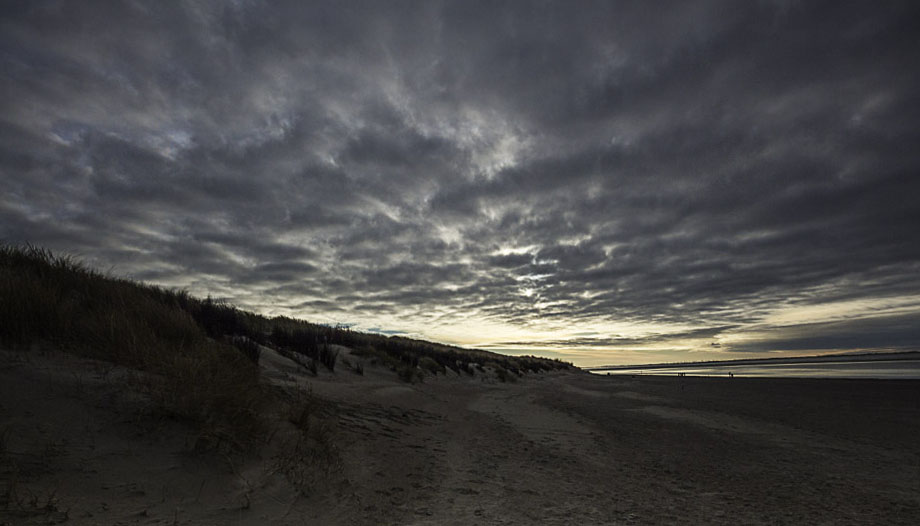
(562, 448)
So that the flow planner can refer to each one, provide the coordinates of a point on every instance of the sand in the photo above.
(560, 448)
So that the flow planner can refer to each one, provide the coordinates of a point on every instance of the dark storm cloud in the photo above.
(896, 333)
(689, 163)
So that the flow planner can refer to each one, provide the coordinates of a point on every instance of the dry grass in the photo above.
(308, 450)
(189, 376)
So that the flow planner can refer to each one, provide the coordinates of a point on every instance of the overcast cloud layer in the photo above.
(609, 182)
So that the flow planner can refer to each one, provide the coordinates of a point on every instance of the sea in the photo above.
(881, 369)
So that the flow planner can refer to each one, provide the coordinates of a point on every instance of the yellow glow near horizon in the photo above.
(612, 343)
(840, 310)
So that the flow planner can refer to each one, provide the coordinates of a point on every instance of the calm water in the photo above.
(903, 369)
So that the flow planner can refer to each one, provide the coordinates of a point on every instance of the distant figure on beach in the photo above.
(731, 374)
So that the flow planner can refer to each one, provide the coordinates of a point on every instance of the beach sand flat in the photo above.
(559, 448)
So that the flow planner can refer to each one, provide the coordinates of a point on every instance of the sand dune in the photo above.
(558, 448)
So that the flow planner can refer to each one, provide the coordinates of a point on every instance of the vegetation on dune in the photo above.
(52, 300)
(201, 355)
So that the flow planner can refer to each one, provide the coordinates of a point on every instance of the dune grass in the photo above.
(58, 302)
(55, 298)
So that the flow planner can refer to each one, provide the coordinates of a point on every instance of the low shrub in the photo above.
(328, 356)
(409, 374)
(433, 367)
(311, 450)
(249, 348)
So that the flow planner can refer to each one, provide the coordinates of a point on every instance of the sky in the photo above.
(603, 182)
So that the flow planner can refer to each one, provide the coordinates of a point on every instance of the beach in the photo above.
(551, 448)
